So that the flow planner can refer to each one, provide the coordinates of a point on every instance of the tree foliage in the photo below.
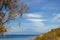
(12, 9)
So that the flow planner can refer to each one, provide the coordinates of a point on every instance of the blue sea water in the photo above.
(24, 37)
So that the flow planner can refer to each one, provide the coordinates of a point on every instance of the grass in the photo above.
(54, 34)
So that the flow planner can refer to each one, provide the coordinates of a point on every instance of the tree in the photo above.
(12, 9)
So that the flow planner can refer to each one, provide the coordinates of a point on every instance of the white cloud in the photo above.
(38, 20)
(56, 17)
(39, 25)
(34, 15)
(36, 24)
(15, 29)
(42, 29)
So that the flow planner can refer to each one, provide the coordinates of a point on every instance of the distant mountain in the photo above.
(54, 34)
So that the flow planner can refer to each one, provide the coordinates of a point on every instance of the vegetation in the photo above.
(9, 10)
(54, 34)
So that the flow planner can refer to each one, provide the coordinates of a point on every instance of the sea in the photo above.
(18, 37)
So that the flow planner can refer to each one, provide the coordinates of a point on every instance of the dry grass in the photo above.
(54, 34)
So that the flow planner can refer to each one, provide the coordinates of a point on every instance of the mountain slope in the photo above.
(54, 34)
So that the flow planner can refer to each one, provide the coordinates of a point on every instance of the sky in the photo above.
(43, 16)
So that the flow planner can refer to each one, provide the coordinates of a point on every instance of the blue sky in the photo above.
(43, 16)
